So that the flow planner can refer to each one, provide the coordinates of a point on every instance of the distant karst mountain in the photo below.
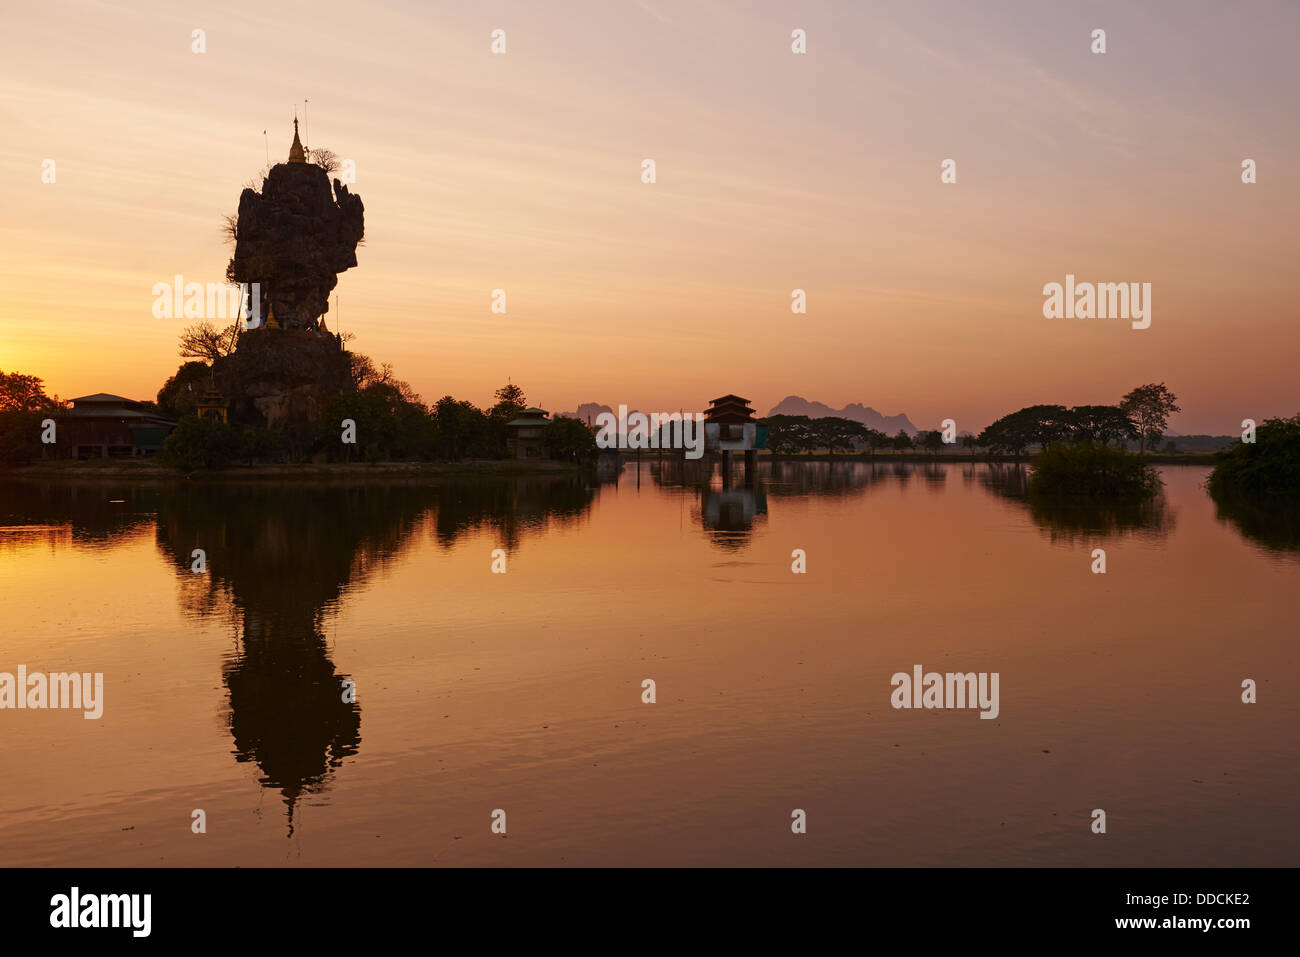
(856, 411)
(586, 412)
(790, 405)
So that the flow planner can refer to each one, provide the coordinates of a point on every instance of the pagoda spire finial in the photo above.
(296, 152)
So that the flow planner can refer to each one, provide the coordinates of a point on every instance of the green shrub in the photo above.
(260, 445)
(1267, 469)
(201, 444)
(1091, 470)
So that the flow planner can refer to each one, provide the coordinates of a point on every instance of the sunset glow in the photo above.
(775, 172)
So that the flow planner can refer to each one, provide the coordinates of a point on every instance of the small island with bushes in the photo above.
(1256, 485)
(1066, 470)
(1266, 470)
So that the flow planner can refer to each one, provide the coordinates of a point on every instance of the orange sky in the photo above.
(775, 171)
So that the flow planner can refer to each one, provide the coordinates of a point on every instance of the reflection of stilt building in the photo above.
(729, 515)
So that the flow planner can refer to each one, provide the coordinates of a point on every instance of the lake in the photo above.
(348, 681)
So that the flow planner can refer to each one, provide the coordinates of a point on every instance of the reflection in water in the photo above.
(934, 475)
(1008, 481)
(1071, 518)
(729, 511)
(832, 479)
(680, 472)
(797, 479)
(278, 562)
(728, 515)
(1274, 526)
(284, 559)
(306, 585)
(90, 513)
(509, 507)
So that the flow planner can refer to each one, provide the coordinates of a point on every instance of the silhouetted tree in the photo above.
(787, 434)
(326, 159)
(179, 395)
(833, 432)
(1149, 406)
(459, 428)
(1035, 424)
(203, 340)
(510, 401)
(23, 406)
(1101, 424)
(24, 393)
(877, 440)
(569, 439)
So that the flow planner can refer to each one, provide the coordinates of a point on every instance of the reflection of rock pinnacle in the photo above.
(282, 560)
(286, 709)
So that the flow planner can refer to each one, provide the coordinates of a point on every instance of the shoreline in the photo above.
(154, 471)
(1154, 458)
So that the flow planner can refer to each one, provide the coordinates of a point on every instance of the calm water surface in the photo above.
(522, 691)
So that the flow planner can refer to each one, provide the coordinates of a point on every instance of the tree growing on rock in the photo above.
(204, 341)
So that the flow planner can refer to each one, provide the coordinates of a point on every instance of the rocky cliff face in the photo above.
(283, 381)
(294, 238)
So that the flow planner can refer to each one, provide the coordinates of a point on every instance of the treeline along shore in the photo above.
(372, 425)
(157, 470)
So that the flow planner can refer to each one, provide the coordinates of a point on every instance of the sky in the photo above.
(775, 171)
